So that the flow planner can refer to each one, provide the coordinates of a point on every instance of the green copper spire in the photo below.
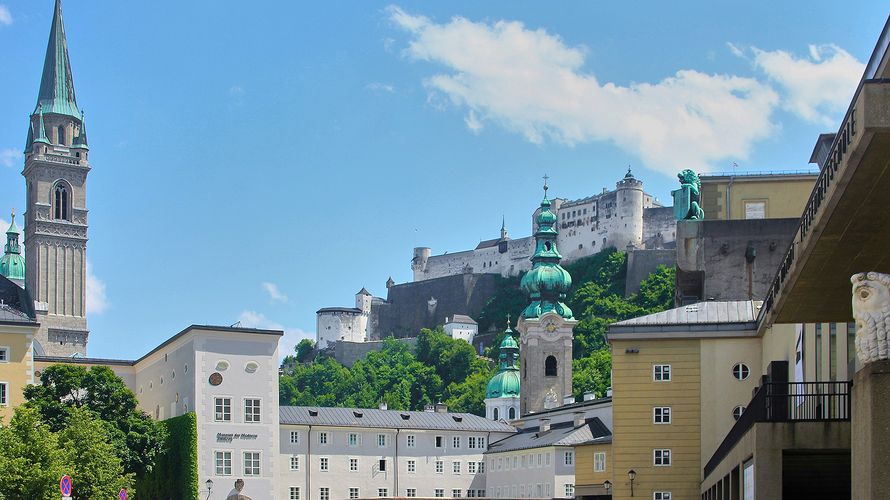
(505, 383)
(57, 85)
(81, 140)
(12, 264)
(547, 283)
(41, 130)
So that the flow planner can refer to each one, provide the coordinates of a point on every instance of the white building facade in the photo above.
(461, 327)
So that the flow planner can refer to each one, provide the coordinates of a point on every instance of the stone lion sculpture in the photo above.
(871, 311)
(687, 199)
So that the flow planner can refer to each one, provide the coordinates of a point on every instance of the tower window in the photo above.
(61, 132)
(61, 200)
(550, 366)
(512, 413)
(495, 414)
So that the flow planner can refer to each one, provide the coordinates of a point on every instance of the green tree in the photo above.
(657, 290)
(30, 460)
(304, 350)
(136, 438)
(89, 454)
(592, 373)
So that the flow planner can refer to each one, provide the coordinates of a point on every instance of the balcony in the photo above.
(787, 403)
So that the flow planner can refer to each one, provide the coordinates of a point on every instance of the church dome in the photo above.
(504, 384)
(546, 278)
(12, 264)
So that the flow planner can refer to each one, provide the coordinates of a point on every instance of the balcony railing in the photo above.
(790, 402)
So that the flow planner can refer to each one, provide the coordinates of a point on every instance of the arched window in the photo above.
(61, 131)
(550, 366)
(495, 414)
(61, 200)
(512, 413)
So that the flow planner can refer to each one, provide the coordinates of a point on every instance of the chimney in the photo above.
(441, 408)
(609, 392)
(429, 408)
(567, 400)
(383, 405)
(579, 418)
(589, 396)
(544, 427)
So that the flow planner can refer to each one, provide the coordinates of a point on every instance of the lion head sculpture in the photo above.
(871, 311)
(689, 177)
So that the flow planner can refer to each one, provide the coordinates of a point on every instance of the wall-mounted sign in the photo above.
(222, 437)
(215, 378)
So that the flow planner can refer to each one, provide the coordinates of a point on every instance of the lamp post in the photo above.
(209, 484)
(607, 485)
(631, 474)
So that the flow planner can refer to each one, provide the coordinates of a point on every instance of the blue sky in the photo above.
(256, 162)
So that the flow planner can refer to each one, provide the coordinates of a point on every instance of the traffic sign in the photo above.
(65, 485)
(123, 494)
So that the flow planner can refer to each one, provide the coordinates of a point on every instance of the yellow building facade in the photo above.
(756, 196)
(16, 364)
(593, 468)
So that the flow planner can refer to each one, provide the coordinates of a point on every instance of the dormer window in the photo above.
(61, 133)
(61, 201)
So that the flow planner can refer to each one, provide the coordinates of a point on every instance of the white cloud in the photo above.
(97, 301)
(292, 336)
(5, 15)
(736, 51)
(816, 87)
(274, 292)
(9, 157)
(379, 87)
(532, 83)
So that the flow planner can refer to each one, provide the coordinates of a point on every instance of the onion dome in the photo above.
(12, 264)
(547, 283)
(505, 383)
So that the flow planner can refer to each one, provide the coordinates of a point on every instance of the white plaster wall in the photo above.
(503, 406)
(512, 474)
(334, 325)
(463, 331)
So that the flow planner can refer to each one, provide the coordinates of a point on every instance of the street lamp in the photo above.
(209, 484)
(607, 485)
(631, 474)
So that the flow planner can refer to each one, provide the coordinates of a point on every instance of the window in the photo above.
(294, 493)
(223, 463)
(382, 492)
(60, 202)
(481, 467)
(440, 493)
(353, 465)
(495, 414)
(737, 412)
(661, 495)
(412, 466)
(570, 491)
(550, 366)
(294, 462)
(471, 442)
(411, 492)
(223, 410)
(661, 457)
(455, 467)
(481, 442)
(599, 461)
(480, 493)
(323, 464)
(324, 494)
(352, 439)
(512, 413)
(661, 373)
(251, 463)
(440, 466)
(251, 410)
(4, 355)
(471, 467)
(455, 442)
(661, 414)
(740, 371)
(412, 440)
(353, 492)
(60, 133)
(455, 493)
(540, 461)
(295, 437)
(569, 458)
(381, 465)
(322, 438)
(381, 440)
(440, 442)
(547, 459)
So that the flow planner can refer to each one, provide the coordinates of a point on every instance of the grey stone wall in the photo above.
(641, 263)
(347, 353)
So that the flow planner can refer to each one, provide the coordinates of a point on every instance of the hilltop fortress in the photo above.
(626, 218)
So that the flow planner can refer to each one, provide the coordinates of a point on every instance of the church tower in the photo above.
(545, 327)
(56, 168)
(502, 391)
(12, 264)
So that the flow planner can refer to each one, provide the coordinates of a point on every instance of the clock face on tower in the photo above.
(550, 326)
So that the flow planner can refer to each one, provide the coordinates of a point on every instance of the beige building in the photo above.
(756, 196)
(17, 330)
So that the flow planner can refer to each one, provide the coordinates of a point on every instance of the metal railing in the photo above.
(787, 402)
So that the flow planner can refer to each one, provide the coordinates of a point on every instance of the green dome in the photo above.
(503, 385)
(12, 264)
(546, 277)
(509, 342)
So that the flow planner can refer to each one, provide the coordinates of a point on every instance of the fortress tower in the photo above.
(56, 168)
(629, 204)
(545, 327)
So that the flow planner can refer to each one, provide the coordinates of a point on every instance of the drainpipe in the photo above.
(395, 465)
(308, 461)
(729, 198)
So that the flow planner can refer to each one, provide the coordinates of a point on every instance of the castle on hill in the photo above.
(625, 218)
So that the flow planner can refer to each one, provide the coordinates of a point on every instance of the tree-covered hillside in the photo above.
(447, 370)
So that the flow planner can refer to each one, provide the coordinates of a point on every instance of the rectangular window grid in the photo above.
(323, 464)
(294, 462)
(352, 440)
(439, 493)
(411, 492)
(382, 492)
(4, 394)
(661, 495)
(353, 492)
(324, 494)
(353, 465)
(381, 440)
(471, 442)
(599, 461)
(455, 467)
(251, 463)
(662, 457)
(294, 493)
(455, 493)
(4, 354)
(455, 442)
(661, 373)
(251, 410)
(322, 438)
(440, 466)
(223, 463)
(570, 490)
(223, 410)
(295, 438)
(471, 467)
(412, 466)
(661, 414)
(412, 440)
(570, 458)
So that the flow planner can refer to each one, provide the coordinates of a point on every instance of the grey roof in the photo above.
(561, 434)
(19, 306)
(731, 311)
(13, 315)
(460, 318)
(490, 243)
(353, 310)
(363, 291)
(389, 419)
